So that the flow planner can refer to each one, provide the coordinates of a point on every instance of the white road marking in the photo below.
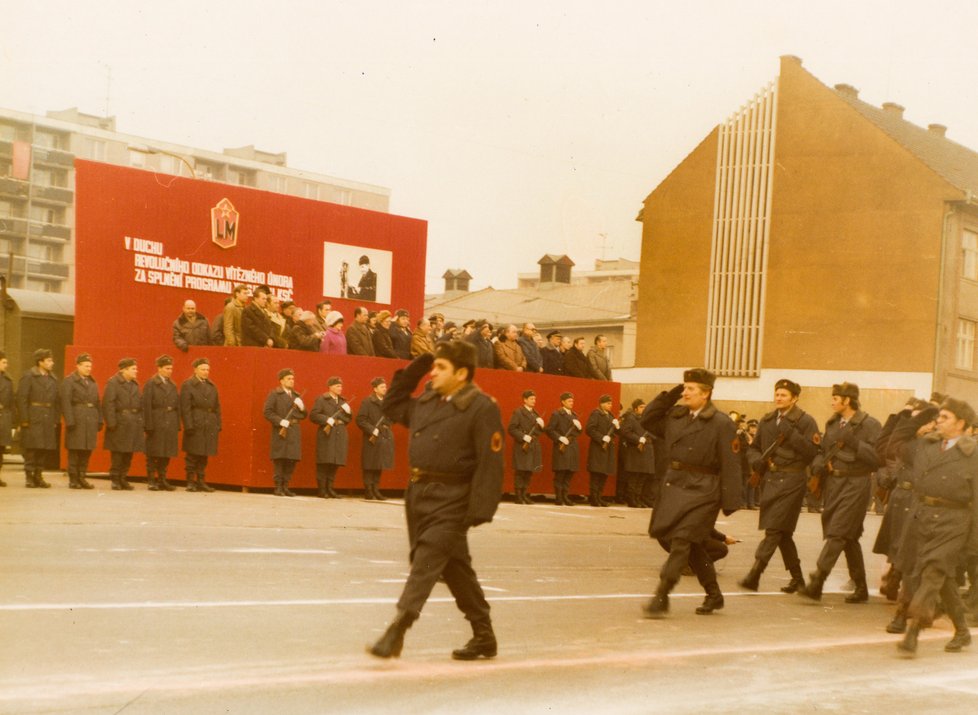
(239, 550)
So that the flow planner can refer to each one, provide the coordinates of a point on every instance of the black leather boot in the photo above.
(899, 622)
(203, 486)
(962, 636)
(377, 493)
(285, 489)
(116, 484)
(391, 643)
(861, 594)
(712, 602)
(39, 480)
(279, 492)
(124, 483)
(73, 480)
(908, 645)
(192, 483)
(151, 484)
(593, 498)
(753, 578)
(165, 485)
(330, 492)
(796, 583)
(481, 645)
(658, 605)
(321, 490)
(814, 588)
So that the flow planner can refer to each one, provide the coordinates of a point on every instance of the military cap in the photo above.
(566, 396)
(334, 380)
(604, 398)
(528, 393)
(285, 372)
(164, 360)
(785, 384)
(751, 423)
(460, 353)
(401, 313)
(378, 381)
(701, 376)
(364, 260)
(467, 323)
(41, 354)
(638, 401)
(333, 317)
(846, 389)
(937, 397)
(126, 362)
(200, 361)
(961, 409)
(552, 333)
(435, 316)
(83, 357)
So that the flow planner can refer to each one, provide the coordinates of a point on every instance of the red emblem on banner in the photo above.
(224, 224)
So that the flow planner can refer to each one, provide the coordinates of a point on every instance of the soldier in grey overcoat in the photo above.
(37, 406)
(200, 414)
(845, 465)
(456, 457)
(525, 427)
(284, 409)
(703, 477)
(638, 457)
(791, 437)
(6, 410)
(82, 412)
(602, 427)
(563, 428)
(161, 421)
(331, 414)
(377, 450)
(122, 408)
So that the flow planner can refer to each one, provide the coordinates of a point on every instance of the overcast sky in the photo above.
(514, 128)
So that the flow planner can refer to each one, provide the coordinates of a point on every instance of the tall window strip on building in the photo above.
(964, 357)
(969, 255)
(741, 231)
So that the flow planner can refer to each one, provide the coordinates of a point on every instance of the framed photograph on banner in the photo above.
(357, 273)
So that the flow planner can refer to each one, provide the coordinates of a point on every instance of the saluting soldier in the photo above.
(847, 461)
(456, 453)
(563, 428)
(82, 413)
(123, 408)
(702, 478)
(377, 450)
(161, 421)
(37, 405)
(284, 410)
(525, 426)
(200, 413)
(638, 457)
(944, 525)
(332, 414)
(6, 410)
(602, 426)
(786, 443)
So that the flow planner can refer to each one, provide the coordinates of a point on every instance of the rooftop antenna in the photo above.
(604, 246)
(108, 88)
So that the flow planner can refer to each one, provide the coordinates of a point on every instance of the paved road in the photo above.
(147, 602)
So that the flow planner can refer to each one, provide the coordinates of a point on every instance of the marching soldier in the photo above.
(786, 443)
(123, 409)
(161, 421)
(525, 426)
(332, 413)
(601, 428)
(37, 405)
(200, 413)
(377, 450)
(943, 527)
(703, 477)
(284, 410)
(456, 453)
(83, 419)
(6, 410)
(563, 429)
(847, 460)
(638, 457)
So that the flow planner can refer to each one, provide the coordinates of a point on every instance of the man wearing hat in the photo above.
(367, 285)
(401, 334)
(551, 356)
(845, 466)
(200, 413)
(6, 409)
(525, 427)
(122, 407)
(332, 414)
(37, 405)
(563, 429)
(82, 413)
(638, 455)
(284, 410)
(481, 340)
(945, 526)
(786, 443)
(161, 421)
(601, 428)
(456, 453)
(702, 478)
(377, 450)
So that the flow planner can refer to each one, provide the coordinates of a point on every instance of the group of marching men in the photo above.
(925, 456)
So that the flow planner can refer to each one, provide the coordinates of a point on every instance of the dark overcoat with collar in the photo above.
(526, 422)
(161, 417)
(601, 457)
(122, 408)
(331, 448)
(6, 409)
(82, 411)
(37, 407)
(200, 413)
(279, 405)
(378, 455)
(638, 461)
(564, 424)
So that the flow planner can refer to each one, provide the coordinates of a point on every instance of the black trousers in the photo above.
(157, 465)
(37, 459)
(371, 477)
(78, 461)
(682, 552)
(195, 464)
(283, 470)
(773, 540)
(119, 467)
(833, 548)
(326, 473)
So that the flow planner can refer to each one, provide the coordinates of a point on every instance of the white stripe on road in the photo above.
(241, 550)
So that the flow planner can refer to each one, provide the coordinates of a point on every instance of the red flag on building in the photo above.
(22, 161)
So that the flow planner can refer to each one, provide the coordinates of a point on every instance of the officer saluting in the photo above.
(525, 426)
(455, 449)
(703, 477)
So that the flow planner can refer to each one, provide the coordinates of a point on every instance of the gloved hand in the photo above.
(540, 422)
(642, 440)
(676, 392)
(346, 408)
(283, 423)
(577, 423)
(419, 367)
(376, 432)
(298, 403)
(564, 440)
(527, 438)
(331, 422)
(616, 423)
(606, 439)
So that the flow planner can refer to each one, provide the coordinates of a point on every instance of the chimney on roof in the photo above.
(847, 90)
(457, 280)
(894, 109)
(938, 129)
(555, 269)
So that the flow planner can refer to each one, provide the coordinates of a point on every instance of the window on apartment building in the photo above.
(96, 149)
(47, 140)
(8, 132)
(137, 159)
(279, 184)
(43, 251)
(43, 177)
(5, 247)
(45, 214)
(969, 255)
(6, 209)
(345, 197)
(964, 357)
(310, 191)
